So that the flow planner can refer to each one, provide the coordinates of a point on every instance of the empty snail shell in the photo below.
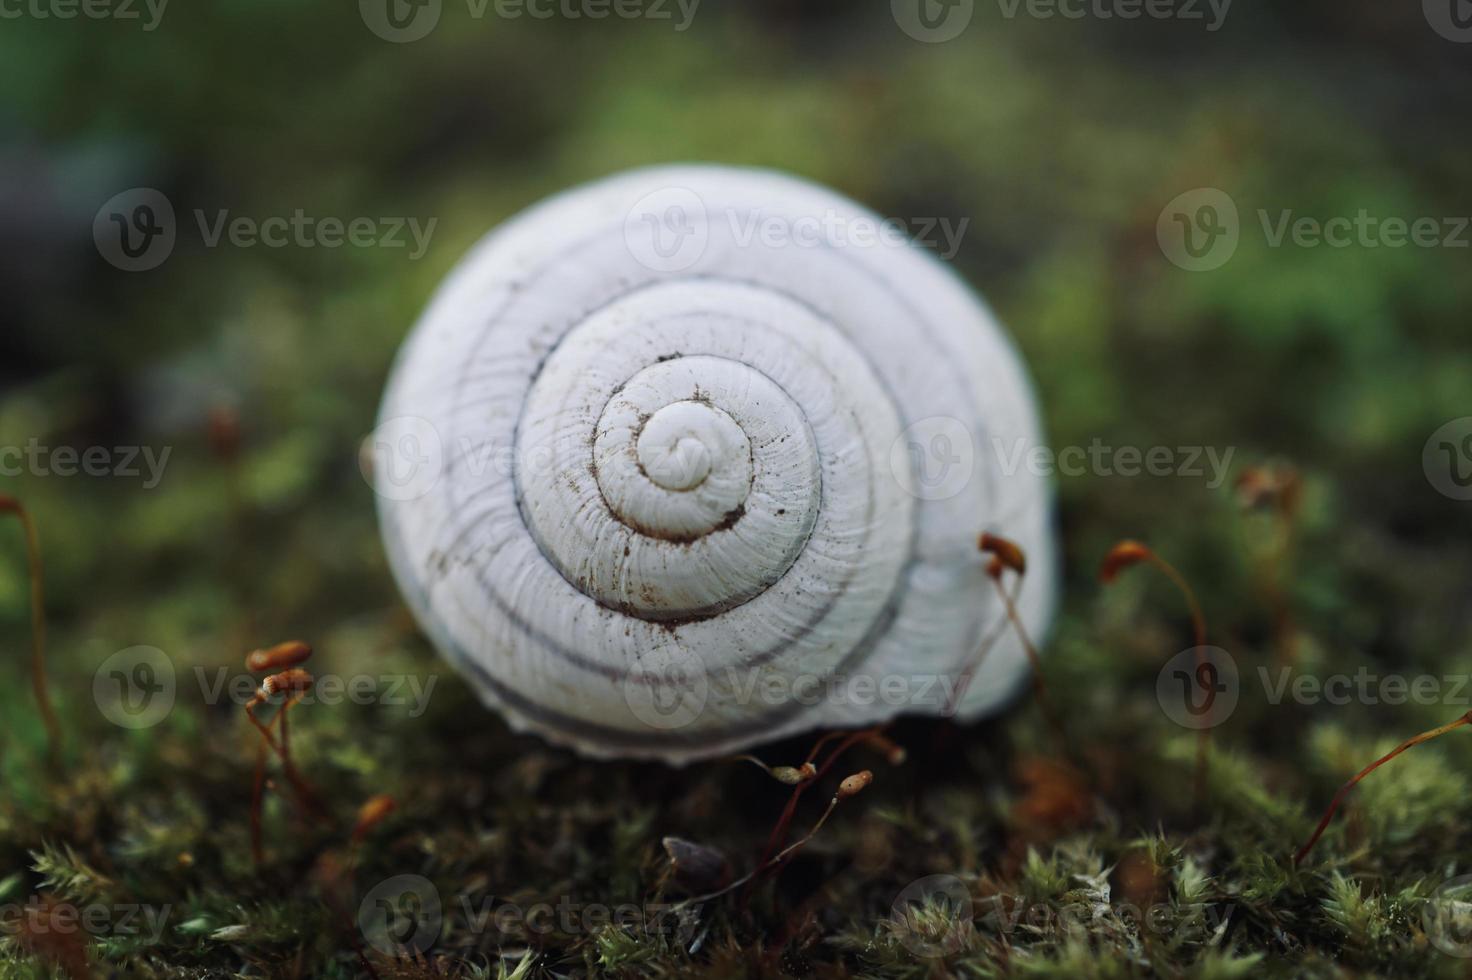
(664, 483)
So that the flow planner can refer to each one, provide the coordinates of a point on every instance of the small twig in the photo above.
(1354, 780)
(10, 505)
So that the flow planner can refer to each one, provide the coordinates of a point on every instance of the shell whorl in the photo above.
(667, 485)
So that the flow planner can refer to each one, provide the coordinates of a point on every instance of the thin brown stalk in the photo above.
(304, 792)
(38, 627)
(963, 682)
(298, 781)
(257, 797)
(1355, 779)
(779, 830)
(1128, 553)
(1040, 687)
(851, 786)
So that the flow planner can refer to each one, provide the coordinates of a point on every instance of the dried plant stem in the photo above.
(779, 830)
(286, 734)
(305, 794)
(1198, 621)
(1127, 553)
(963, 682)
(293, 775)
(1282, 574)
(754, 761)
(1198, 629)
(1040, 688)
(258, 787)
(788, 775)
(38, 627)
(1354, 780)
(781, 856)
(1281, 488)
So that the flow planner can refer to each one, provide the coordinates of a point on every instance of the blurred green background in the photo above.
(1061, 140)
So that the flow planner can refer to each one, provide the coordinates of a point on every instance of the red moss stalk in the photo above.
(779, 831)
(1355, 779)
(10, 505)
(1129, 553)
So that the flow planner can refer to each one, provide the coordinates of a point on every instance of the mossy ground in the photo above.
(1061, 142)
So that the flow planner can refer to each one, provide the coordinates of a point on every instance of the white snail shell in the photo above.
(663, 484)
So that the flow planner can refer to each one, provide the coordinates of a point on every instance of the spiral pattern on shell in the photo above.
(662, 483)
